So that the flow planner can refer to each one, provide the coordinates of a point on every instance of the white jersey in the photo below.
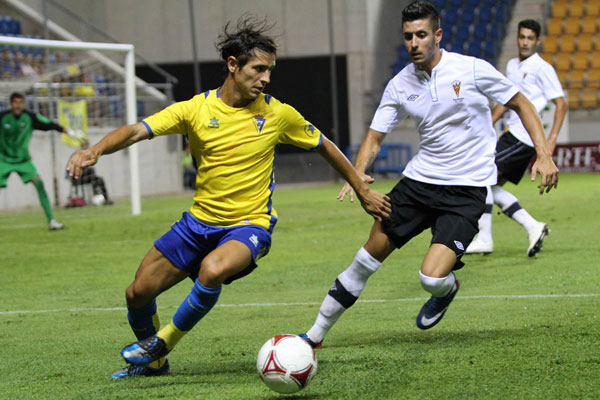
(453, 117)
(538, 81)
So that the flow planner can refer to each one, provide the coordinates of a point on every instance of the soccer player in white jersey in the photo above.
(443, 187)
(233, 133)
(538, 81)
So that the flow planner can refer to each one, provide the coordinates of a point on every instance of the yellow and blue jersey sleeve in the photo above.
(296, 130)
(173, 119)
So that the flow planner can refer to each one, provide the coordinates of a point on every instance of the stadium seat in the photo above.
(500, 15)
(439, 4)
(573, 99)
(480, 31)
(589, 25)
(592, 8)
(559, 10)
(595, 61)
(580, 60)
(563, 62)
(548, 58)
(472, 3)
(575, 79)
(550, 45)
(585, 42)
(576, 9)
(572, 26)
(490, 50)
(455, 3)
(562, 77)
(485, 14)
(593, 79)
(589, 98)
(462, 33)
(567, 44)
(554, 26)
(467, 16)
(450, 17)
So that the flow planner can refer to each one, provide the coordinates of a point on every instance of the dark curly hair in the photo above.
(531, 24)
(248, 35)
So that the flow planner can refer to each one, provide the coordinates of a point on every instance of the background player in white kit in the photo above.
(443, 187)
(538, 81)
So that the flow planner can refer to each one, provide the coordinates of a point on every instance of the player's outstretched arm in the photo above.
(116, 140)
(367, 153)
(559, 117)
(544, 164)
(376, 204)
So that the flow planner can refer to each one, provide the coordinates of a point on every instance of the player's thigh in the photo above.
(28, 172)
(439, 261)
(230, 258)
(154, 275)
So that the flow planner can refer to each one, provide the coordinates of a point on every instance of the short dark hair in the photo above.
(16, 95)
(248, 36)
(421, 10)
(530, 24)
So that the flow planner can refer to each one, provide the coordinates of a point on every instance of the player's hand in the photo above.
(347, 189)
(375, 204)
(80, 160)
(548, 171)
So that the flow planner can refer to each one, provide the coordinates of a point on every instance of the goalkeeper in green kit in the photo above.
(16, 127)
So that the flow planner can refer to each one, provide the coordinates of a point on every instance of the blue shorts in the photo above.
(190, 240)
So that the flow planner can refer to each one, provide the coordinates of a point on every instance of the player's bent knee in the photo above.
(212, 273)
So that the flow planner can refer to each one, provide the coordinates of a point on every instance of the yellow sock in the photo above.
(171, 335)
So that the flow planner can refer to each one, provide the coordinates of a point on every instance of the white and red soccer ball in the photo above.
(286, 363)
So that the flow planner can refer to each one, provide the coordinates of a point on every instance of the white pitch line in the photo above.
(517, 296)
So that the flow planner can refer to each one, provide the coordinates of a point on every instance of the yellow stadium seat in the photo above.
(589, 98)
(592, 8)
(581, 60)
(567, 44)
(573, 99)
(595, 61)
(572, 26)
(555, 26)
(576, 79)
(576, 9)
(550, 44)
(585, 43)
(589, 25)
(548, 58)
(559, 10)
(593, 79)
(562, 62)
(562, 77)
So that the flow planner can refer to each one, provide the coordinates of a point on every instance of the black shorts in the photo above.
(452, 213)
(512, 157)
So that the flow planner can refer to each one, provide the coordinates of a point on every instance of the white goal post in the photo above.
(130, 93)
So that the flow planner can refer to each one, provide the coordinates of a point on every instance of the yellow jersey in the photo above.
(235, 151)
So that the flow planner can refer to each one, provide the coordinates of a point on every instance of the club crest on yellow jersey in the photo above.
(259, 122)
(213, 123)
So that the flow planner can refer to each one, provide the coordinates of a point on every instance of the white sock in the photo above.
(353, 279)
(485, 221)
(511, 207)
(438, 287)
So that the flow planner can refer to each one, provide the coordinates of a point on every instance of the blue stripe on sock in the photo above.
(140, 320)
(195, 306)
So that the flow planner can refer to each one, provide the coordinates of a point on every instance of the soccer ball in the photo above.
(286, 363)
(98, 200)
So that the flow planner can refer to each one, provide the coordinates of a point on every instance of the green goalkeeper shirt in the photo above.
(15, 134)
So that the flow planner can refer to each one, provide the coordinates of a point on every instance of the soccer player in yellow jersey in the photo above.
(233, 132)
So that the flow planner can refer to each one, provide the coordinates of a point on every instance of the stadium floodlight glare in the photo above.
(130, 95)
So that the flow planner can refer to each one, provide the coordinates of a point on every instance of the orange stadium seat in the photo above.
(592, 8)
(572, 26)
(559, 10)
(576, 9)
(555, 26)
(567, 44)
(581, 60)
(576, 79)
(593, 79)
(589, 98)
(595, 62)
(550, 45)
(548, 58)
(573, 99)
(585, 43)
(563, 62)
(562, 77)
(589, 25)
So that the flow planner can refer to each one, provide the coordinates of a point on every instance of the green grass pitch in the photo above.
(519, 328)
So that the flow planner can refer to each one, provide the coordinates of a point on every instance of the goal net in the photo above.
(86, 86)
